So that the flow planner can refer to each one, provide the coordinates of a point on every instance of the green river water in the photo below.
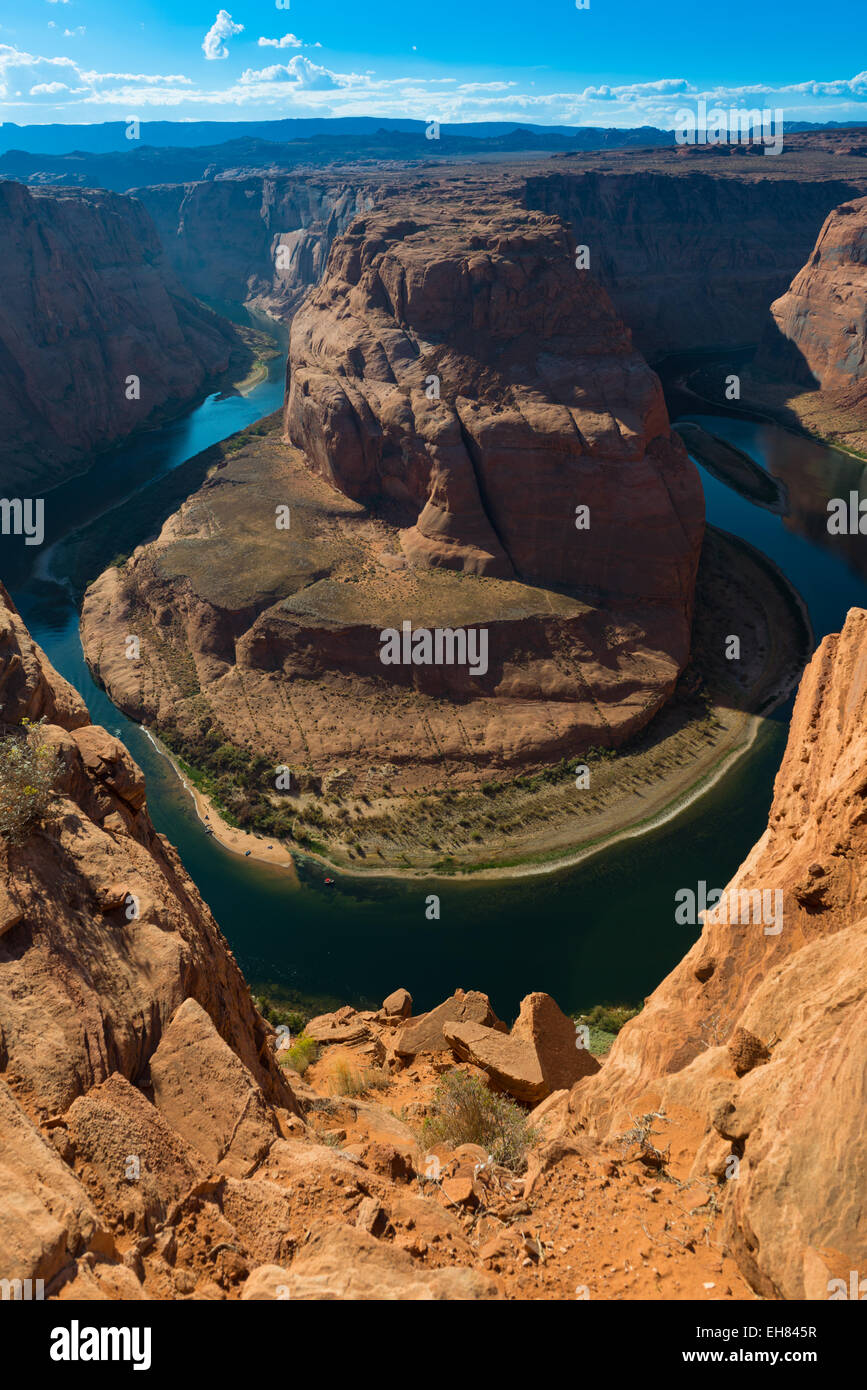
(601, 931)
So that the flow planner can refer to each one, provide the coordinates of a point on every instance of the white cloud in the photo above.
(63, 79)
(299, 71)
(223, 27)
(95, 78)
(287, 41)
(74, 33)
(301, 87)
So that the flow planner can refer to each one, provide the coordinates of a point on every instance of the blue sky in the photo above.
(618, 62)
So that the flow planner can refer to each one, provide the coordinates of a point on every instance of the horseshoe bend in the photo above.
(469, 441)
(433, 676)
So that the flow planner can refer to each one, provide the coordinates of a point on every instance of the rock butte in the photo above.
(448, 512)
(539, 404)
(140, 1037)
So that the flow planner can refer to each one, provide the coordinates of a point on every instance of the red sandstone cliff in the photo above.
(756, 1042)
(88, 301)
(822, 317)
(454, 360)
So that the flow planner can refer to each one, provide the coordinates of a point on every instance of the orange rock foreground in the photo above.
(153, 1146)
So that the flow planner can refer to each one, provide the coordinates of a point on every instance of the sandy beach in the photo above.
(240, 842)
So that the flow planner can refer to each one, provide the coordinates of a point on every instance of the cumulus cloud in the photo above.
(287, 41)
(300, 71)
(223, 27)
(65, 81)
(299, 86)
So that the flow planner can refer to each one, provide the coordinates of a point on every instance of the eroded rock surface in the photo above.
(453, 358)
(259, 240)
(820, 323)
(791, 1112)
(89, 301)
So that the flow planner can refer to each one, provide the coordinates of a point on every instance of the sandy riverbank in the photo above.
(241, 842)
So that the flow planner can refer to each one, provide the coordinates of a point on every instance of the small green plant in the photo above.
(28, 770)
(464, 1111)
(302, 1054)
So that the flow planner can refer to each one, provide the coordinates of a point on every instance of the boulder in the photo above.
(538, 1056)
(135, 1166)
(342, 1026)
(543, 1025)
(398, 1004)
(340, 1263)
(266, 1282)
(511, 1063)
(46, 1216)
(425, 1033)
(207, 1094)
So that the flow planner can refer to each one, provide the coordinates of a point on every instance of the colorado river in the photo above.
(601, 931)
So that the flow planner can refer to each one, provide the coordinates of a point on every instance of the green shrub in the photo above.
(278, 1013)
(464, 1111)
(28, 769)
(609, 1017)
(302, 1054)
(604, 1022)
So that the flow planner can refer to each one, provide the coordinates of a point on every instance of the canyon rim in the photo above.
(433, 674)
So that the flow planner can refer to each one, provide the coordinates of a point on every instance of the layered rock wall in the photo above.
(257, 240)
(88, 303)
(690, 260)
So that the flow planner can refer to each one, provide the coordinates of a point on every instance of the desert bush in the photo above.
(302, 1054)
(347, 1080)
(609, 1017)
(604, 1022)
(464, 1111)
(28, 769)
(279, 1013)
